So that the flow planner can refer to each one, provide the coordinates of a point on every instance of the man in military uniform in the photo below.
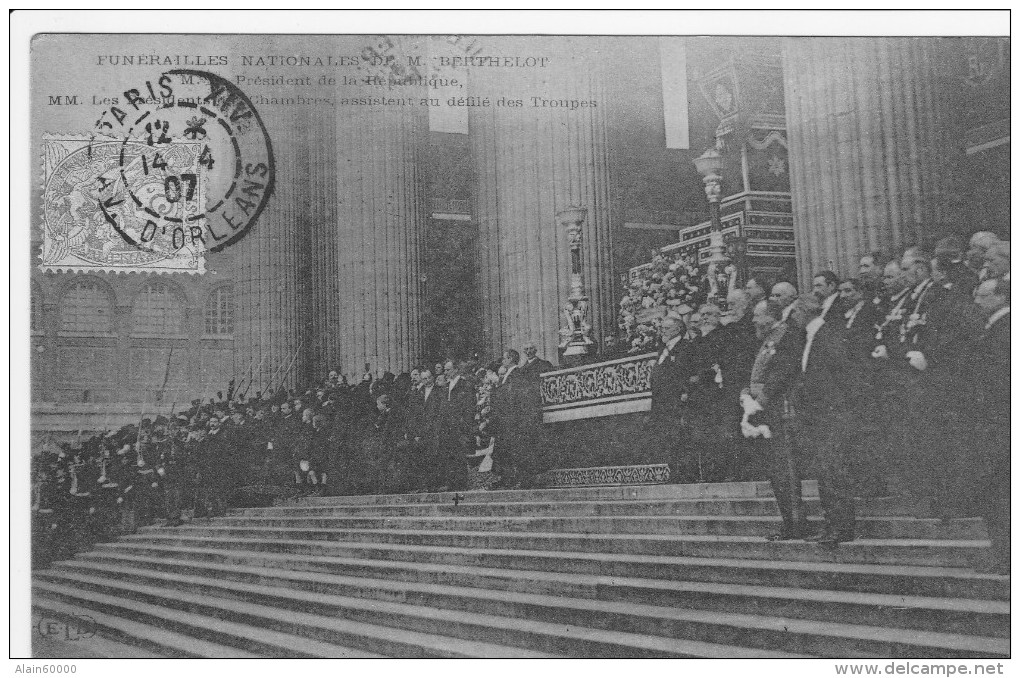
(894, 379)
(773, 377)
(907, 359)
(858, 322)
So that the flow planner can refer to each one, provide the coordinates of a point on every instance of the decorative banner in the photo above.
(85, 176)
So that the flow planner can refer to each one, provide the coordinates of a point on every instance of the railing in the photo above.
(602, 389)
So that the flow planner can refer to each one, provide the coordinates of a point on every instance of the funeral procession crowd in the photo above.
(891, 383)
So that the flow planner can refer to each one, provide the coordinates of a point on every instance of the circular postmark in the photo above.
(194, 166)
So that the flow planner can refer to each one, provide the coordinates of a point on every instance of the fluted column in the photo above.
(870, 156)
(531, 163)
(271, 277)
(321, 206)
(380, 217)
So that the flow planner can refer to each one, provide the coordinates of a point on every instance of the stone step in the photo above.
(566, 639)
(874, 528)
(243, 642)
(293, 633)
(879, 507)
(437, 564)
(532, 620)
(961, 616)
(935, 553)
(741, 490)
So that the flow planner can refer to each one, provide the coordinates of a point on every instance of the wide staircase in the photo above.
(648, 571)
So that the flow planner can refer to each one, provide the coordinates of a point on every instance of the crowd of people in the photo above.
(420, 431)
(894, 382)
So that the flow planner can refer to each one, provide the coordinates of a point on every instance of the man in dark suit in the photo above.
(773, 376)
(388, 443)
(947, 345)
(457, 436)
(530, 402)
(706, 425)
(669, 397)
(424, 421)
(991, 375)
(739, 346)
(828, 397)
(859, 318)
(825, 286)
(514, 429)
(533, 365)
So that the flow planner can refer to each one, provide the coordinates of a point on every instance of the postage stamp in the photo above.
(105, 209)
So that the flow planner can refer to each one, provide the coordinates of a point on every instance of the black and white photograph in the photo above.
(681, 337)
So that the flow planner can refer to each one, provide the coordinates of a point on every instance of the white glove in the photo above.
(751, 431)
(880, 352)
(749, 405)
(917, 360)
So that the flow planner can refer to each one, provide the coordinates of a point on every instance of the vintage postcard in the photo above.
(350, 344)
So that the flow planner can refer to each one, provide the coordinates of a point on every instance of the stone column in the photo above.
(380, 218)
(321, 206)
(533, 161)
(870, 157)
(271, 269)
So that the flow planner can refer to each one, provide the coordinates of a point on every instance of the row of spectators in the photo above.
(918, 406)
(420, 431)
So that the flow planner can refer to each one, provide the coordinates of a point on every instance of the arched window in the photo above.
(219, 311)
(158, 310)
(85, 307)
